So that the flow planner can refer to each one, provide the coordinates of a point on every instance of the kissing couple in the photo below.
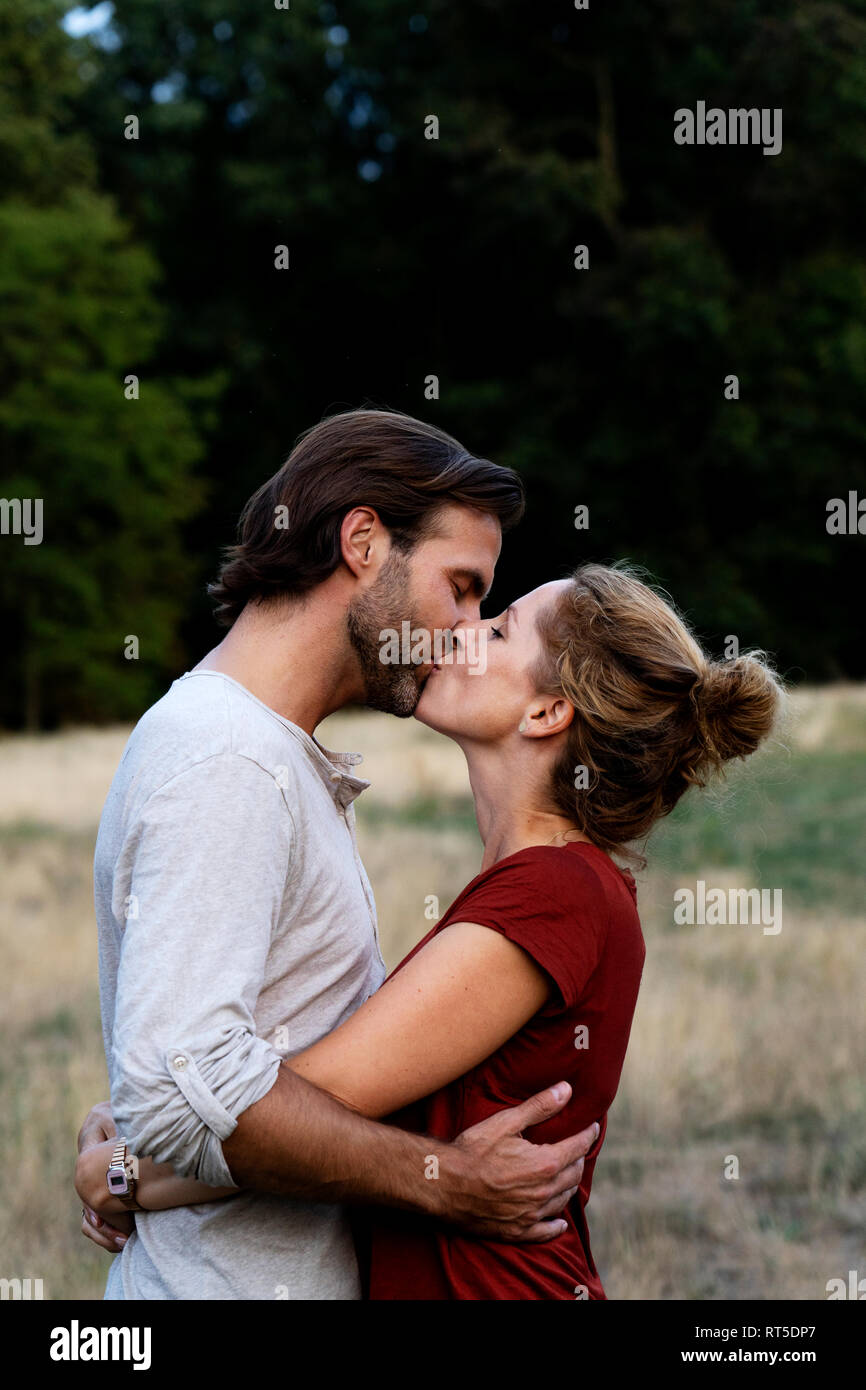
(285, 1121)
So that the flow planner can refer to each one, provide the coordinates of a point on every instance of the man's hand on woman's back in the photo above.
(511, 1189)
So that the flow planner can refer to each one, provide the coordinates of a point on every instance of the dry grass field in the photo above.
(744, 1044)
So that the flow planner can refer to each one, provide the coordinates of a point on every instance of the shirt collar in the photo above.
(333, 768)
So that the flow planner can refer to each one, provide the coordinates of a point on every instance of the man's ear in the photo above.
(547, 715)
(362, 537)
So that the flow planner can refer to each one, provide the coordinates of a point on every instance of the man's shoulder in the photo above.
(204, 720)
(191, 723)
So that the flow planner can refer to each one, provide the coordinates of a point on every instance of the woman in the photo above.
(596, 711)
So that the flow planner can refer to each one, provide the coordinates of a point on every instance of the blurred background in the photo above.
(413, 258)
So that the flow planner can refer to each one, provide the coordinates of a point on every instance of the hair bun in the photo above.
(653, 715)
(736, 703)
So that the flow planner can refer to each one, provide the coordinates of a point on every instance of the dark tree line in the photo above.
(412, 257)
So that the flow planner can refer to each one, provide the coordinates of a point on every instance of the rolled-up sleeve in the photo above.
(205, 871)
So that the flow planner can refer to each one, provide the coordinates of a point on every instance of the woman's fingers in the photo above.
(96, 1229)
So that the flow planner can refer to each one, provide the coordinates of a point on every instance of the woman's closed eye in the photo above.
(496, 631)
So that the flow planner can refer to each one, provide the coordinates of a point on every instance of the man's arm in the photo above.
(452, 1005)
(300, 1142)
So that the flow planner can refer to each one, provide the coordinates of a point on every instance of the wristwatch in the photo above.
(122, 1175)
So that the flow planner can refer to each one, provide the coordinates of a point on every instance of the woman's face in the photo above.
(483, 689)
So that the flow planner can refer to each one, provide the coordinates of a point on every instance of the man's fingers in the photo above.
(91, 1136)
(98, 1126)
(557, 1203)
(540, 1107)
(566, 1178)
(568, 1151)
(539, 1233)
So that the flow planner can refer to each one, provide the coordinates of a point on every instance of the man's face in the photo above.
(433, 589)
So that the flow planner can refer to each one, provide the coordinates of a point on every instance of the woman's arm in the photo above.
(459, 999)
(158, 1186)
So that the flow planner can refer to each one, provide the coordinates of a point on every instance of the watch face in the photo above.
(118, 1183)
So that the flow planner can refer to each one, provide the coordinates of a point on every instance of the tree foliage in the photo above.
(79, 299)
(455, 257)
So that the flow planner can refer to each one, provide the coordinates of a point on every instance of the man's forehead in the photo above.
(454, 520)
(474, 537)
(465, 543)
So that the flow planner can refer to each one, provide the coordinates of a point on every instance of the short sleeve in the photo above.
(551, 904)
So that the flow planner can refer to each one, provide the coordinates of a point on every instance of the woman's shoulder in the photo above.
(577, 868)
(557, 902)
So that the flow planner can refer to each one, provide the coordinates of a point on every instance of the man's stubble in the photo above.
(388, 686)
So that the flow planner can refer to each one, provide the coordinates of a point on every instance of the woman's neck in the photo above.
(512, 807)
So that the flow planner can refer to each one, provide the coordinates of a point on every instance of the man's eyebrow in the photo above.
(476, 582)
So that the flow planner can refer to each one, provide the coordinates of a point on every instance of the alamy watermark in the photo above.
(846, 518)
(418, 646)
(854, 1289)
(735, 906)
(22, 516)
(22, 1289)
(77, 1343)
(736, 126)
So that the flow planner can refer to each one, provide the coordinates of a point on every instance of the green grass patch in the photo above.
(426, 812)
(796, 823)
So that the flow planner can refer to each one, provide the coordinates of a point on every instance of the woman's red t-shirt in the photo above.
(574, 911)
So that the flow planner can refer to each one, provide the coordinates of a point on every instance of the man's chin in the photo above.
(400, 698)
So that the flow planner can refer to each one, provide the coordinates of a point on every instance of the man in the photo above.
(236, 922)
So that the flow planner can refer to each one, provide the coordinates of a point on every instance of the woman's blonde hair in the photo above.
(654, 715)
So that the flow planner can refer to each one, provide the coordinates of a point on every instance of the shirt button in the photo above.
(335, 776)
(179, 1063)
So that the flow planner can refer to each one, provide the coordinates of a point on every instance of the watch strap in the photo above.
(123, 1164)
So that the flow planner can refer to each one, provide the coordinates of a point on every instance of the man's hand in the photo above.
(509, 1189)
(111, 1236)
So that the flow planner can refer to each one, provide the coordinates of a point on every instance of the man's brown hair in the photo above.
(404, 469)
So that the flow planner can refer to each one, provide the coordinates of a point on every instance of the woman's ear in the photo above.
(547, 715)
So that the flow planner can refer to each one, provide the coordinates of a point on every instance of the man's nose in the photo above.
(455, 639)
(459, 635)
(469, 619)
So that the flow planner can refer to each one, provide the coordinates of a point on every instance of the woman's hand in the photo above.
(104, 1218)
(111, 1238)
(95, 1142)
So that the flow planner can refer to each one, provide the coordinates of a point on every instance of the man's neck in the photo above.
(294, 657)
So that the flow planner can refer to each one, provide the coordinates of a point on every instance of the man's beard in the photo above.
(390, 687)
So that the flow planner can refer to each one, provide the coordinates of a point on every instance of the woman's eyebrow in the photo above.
(511, 612)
